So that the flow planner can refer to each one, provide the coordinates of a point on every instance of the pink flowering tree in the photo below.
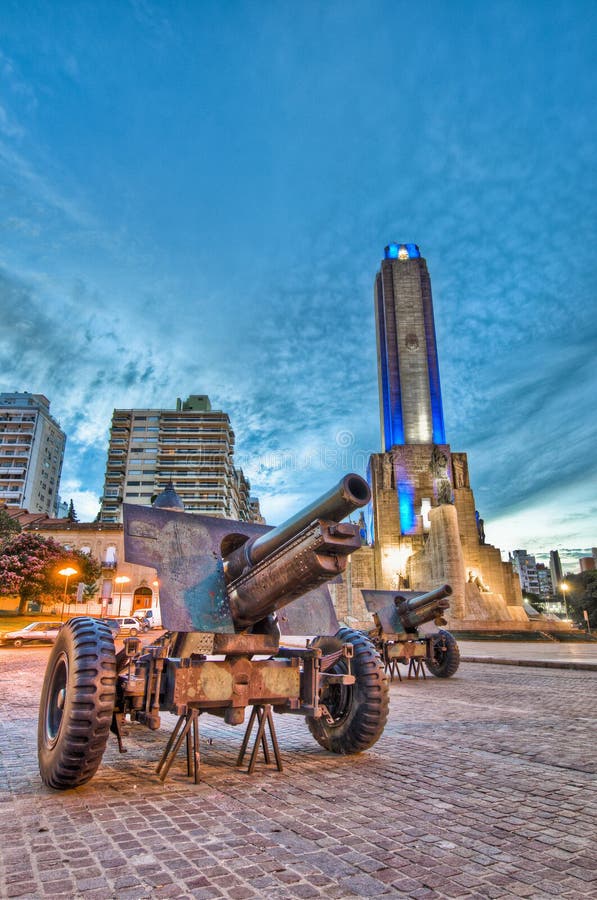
(29, 567)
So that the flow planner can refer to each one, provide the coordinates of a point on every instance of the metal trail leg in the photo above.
(168, 747)
(190, 752)
(263, 714)
(196, 757)
(416, 668)
(179, 733)
(116, 727)
(391, 667)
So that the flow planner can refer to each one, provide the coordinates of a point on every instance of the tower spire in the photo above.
(408, 371)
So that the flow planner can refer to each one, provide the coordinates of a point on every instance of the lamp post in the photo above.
(67, 572)
(565, 587)
(120, 580)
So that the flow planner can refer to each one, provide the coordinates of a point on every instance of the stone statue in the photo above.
(459, 471)
(441, 480)
(480, 527)
(439, 463)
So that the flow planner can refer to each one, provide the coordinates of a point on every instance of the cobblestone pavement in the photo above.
(483, 785)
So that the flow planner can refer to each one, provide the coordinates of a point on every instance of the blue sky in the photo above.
(195, 197)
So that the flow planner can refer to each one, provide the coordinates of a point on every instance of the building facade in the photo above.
(555, 569)
(31, 453)
(525, 566)
(192, 446)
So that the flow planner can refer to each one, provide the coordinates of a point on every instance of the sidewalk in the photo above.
(546, 654)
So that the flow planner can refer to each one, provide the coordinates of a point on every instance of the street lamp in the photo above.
(120, 580)
(67, 572)
(565, 587)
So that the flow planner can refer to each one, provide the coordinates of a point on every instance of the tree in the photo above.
(29, 567)
(536, 601)
(9, 527)
(89, 591)
(72, 513)
(583, 595)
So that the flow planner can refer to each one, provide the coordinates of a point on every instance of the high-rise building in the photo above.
(544, 579)
(525, 565)
(555, 569)
(31, 453)
(192, 446)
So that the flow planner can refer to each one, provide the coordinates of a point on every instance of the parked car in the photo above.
(112, 624)
(42, 632)
(129, 625)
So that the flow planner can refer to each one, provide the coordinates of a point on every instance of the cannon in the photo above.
(407, 630)
(228, 590)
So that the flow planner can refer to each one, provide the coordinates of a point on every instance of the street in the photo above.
(483, 785)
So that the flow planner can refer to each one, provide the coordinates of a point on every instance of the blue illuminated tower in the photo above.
(409, 386)
(422, 526)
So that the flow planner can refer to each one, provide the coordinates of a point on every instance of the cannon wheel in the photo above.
(446, 655)
(359, 710)
(77, 702)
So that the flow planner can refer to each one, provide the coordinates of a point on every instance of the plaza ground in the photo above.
(483, 785)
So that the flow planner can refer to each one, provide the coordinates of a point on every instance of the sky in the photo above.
(195, 198)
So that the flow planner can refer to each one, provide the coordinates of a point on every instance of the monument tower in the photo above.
(423, 526)
(410, 399)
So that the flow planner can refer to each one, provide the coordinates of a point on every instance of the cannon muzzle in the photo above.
(309, 549)
(349, 494)
(417, 610)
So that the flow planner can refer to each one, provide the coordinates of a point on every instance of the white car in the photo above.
(44, 632)
(128, 625)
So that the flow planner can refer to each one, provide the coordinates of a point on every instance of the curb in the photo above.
(532, 663)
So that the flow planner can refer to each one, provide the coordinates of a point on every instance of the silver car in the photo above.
(43, 632)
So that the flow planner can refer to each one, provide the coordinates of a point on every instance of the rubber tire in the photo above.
(18, 643)
(450, 657)
(364, 705)
(73, 729)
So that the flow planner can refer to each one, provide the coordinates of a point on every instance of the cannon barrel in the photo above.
(349, 494)
(306, 551)
(417, 610)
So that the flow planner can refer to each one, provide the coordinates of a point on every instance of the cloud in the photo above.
(561, 519)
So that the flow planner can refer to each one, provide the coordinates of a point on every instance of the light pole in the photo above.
(565, 587)
(120, 580)
(67, 572)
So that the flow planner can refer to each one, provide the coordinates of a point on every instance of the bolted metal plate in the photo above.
(313, 613)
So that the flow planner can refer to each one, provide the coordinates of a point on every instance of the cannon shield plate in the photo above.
(185, 550)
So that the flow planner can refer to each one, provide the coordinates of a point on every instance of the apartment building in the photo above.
(192, 446)
(31, 453)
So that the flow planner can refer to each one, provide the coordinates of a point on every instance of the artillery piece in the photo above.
(227, 589)
(407, 630)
